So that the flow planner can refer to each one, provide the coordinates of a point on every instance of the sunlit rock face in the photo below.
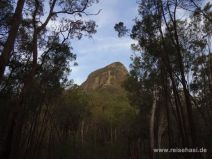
(110, 76)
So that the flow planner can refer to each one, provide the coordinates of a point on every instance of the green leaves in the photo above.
(121, 29)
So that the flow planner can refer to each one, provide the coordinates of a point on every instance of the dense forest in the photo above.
(163, 102)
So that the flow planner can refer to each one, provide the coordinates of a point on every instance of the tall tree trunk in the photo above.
(82, 132)
(184, 83)
(166, 60)
(152, 124)
(165, 84)
(9, 45)
(178, 105)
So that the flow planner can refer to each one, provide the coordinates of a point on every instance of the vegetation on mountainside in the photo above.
(105, 118)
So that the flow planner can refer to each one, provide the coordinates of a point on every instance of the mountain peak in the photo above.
(111, 75)
(114, 64)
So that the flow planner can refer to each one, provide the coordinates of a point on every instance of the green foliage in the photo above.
(72, 109)
(94, 124)
(41, 118)
(111, 105)
(37, 62)
(168, 49)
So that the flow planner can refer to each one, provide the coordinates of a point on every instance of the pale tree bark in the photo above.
(82, 132)
(152, 123)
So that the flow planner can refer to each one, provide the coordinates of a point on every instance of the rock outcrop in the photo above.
(110, 76)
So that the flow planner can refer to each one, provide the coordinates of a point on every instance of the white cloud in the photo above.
(105, 47)
(106, 44)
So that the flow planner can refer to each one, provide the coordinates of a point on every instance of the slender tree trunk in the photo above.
(166, 60)
(115, 135)
(111, 135)
(165, 83)
(152, 124)
(82, 132)
(178, 105)
(185, 88)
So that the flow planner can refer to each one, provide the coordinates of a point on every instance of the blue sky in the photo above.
(104, 47)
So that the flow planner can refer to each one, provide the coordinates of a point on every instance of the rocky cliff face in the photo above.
(110, 76)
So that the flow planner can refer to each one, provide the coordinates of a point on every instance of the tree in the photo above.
(168, 47)
(8, 46)
(40, 55)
